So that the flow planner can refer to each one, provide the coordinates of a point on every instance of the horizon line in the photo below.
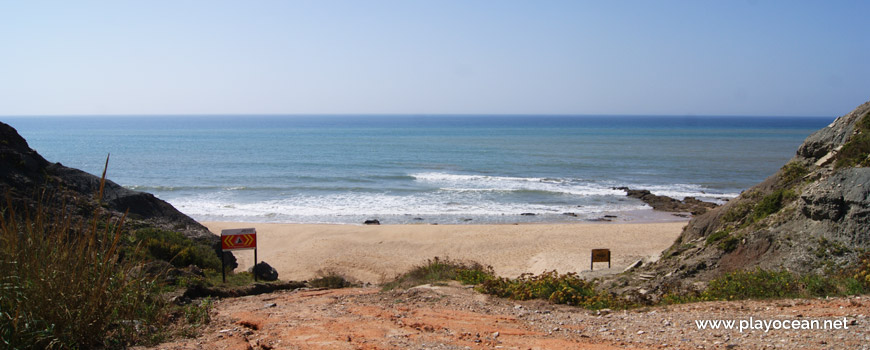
(129, 115)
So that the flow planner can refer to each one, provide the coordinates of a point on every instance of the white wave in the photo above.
(681, 191)
(349, 204)
(483, 183)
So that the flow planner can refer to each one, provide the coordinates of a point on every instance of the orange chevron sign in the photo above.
(234, 239)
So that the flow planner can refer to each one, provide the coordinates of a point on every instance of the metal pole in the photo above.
(255, 264)
(223, 266)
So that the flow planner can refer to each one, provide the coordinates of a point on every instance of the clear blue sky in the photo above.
(434, 57)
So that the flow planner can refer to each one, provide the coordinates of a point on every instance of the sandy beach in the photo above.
(378, 253)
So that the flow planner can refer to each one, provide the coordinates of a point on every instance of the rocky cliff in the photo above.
(813, 215)
(25, 175)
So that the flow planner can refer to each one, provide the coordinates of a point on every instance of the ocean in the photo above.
(420, 168)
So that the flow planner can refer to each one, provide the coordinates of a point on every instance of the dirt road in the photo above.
(455, 317)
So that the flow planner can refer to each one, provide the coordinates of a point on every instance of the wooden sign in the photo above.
(240, 238)
(600, 255)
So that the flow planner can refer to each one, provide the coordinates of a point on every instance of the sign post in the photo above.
(600, 255)
(238, 239)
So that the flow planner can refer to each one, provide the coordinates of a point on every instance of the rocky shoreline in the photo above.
(664, 203)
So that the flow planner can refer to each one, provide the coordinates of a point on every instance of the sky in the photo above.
(736, 57)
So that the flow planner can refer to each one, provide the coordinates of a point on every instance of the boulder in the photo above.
(264, 271)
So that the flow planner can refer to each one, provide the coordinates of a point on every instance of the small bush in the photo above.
(331, 280)
(197, 313)
(437, 270)
(765, 284)
(716, 236)
(729, 244)
(175, 248)
(792, 171)
(757, 284)
(861, 271)
(557, 288)
(772, 203)
(737, 212)
(856, 152)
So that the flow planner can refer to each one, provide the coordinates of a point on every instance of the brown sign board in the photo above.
(600, 255)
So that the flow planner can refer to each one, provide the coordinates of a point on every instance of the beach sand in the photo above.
(378, 253)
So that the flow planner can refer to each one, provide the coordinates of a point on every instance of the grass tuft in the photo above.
(64, 285)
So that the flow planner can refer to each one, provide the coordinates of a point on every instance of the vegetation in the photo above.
(764, 284)
(792, 171)
(557, 288)
(772, 203)
(63, 284)
(439, 270)
(330, 280)
(738, 211)
(194, 316)
(861, 271)
(571, 289)
(856, 152)
(767, 284)
(718, 235)
(175, 248)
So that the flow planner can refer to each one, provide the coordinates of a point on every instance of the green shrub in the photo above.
(856, 152)
(738, 211)
(175, 248)
(716, 236)
(729, 244)
(772, 203)
(557, 288)
(331, 280)
(757, 284)
(765, 284)
(438, 270)
(792, 171)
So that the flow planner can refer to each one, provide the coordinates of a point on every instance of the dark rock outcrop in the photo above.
(808, 217)
(665, 203)
(24, 174)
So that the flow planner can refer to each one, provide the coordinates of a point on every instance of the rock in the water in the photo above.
(665, 203)
(372, 222)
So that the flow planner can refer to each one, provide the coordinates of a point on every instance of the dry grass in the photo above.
(64, 284)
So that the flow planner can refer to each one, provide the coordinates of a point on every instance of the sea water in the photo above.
(420, 169)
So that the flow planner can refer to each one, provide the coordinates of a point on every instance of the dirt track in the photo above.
(455, 317)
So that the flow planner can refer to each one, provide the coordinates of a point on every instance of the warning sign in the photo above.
(240, 238)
